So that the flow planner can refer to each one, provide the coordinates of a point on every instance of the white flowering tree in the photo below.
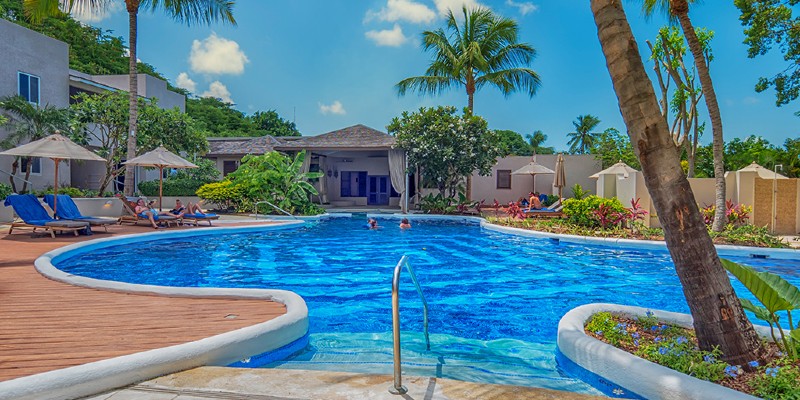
(446, 147)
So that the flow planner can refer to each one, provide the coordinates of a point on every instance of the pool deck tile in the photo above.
(47, 325)
(287, 384)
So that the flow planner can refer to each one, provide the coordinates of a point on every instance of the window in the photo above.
(229, 166)
(36, 165)
(504, 179)
(28, 87)
(353, 184)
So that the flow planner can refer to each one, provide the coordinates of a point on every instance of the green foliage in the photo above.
(170, 128)
(536, 139)
(5, 190)
(582, 140)
(748, 235)
(584, 211)
(206, 171)
(775, 293)
(224, 194)
(511, 143)
(446, 147)
(67, 190)
(610, 147)
(172, 187)
(219, 119)
(603, 324)
(436, 204)
(578, 192)
(270, 123)
(278, 179)
(779, 380)
(680, 354)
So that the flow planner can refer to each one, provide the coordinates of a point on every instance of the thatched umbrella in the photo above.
(160, 158)
(57, 148)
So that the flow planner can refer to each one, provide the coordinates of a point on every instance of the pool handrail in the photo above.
(273, 205)
(397, 387)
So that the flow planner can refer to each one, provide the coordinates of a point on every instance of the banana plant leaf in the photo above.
(774, 292)
(760, 312)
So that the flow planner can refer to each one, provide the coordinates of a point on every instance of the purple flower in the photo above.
(635, 335)
(654, 328)
(598, 333)
(682, 340)
(636, 342)
(663, 327)
(649, 313)
(657, 339)
(773, 372)
(663, 350)
(731, 371)
(709, 359)
(753, 364)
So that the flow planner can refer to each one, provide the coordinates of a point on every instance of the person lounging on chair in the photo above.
(68, 210)
(134, 217)
(551, 211)
(35, 216)
(192, 212)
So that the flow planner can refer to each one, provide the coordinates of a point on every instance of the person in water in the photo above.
(404, 224)
(372, 223)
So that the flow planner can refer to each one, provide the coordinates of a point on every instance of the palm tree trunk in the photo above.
(470, 104)
(680, 8)
(133, 95)
(718, 316)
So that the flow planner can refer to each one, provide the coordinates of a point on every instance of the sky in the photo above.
(331, 64)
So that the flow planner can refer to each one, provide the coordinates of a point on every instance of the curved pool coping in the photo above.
(219, 350)
(722, 249)
(621, 374)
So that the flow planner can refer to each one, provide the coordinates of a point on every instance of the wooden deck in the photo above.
(47, 325)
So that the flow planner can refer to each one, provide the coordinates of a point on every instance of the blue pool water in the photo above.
(495, 299)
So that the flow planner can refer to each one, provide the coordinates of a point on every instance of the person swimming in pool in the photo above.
(372, 223)
(404, 224)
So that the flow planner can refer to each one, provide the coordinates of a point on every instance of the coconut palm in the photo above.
(679, 10)
(582, 140)
(718, 316)
(29, 122)
(481, 50)
(184, 11)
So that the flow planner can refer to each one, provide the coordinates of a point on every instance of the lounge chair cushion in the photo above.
(67, 224)
(68, 210)
(201, 216)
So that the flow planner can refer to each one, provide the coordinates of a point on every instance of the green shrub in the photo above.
(682, 355)
(583, 211)
(603, 324)
(67, 190)
(779, 381)
(224, 194)
(172, 187)
(5, 190)
(748, 235)
(551, 198)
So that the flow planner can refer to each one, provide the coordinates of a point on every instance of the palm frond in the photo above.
(511, 80)
(425, 84)
(194, 11)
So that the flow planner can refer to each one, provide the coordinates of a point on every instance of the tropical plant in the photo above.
(775, 294)
(5, 190)
(582, 140)
(721, 322)
(29, 122)
(511, 143)
(515, 211)
(436, 204)
(447, 148)
(270, 123)
(736, 214)
(184, 11)
(611, 147)
(594, 211)
(278, 179)
(679, 9)
(578, 192)
(225, 194)
(480, 48)
(535, 140)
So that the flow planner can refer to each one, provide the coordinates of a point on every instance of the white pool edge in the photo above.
(629, 372)
(218, 350)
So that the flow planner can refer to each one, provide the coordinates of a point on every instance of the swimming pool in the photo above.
(495, 299)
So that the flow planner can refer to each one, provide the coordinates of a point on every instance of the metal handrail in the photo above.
(273, 205)
(397, 387)
(17, 177)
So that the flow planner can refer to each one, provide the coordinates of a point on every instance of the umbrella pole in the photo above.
(55, 189)
(160, 185)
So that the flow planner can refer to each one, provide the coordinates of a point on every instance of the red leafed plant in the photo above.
(514, 211)
(480, 204)
(636, 212)
(607, 216)
(496, 205)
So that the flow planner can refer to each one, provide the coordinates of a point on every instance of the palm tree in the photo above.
(482, 51)
(184, 11)
(29, 122)
(718, 316)
(582, 140)
(679, 9)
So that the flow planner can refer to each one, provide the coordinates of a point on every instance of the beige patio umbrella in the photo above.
(619, 168)
(160, 158)
(533, 169)
(762, 172)
(560, 180)
(57, 148)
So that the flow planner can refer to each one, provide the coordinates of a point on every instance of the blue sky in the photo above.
(334, 63)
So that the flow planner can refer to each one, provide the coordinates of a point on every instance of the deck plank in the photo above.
(47, 325)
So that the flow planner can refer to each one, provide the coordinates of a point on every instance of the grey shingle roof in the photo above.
(241, 145)
(356, 136)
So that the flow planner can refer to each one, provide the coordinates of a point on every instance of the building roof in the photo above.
(353, 137)
(241, 145)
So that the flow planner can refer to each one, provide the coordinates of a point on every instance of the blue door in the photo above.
(378, 191)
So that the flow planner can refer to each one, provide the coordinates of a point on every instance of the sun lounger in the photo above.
(133, 218)
(552, 211)
(197, 217)
(68, 210)
(34, 216)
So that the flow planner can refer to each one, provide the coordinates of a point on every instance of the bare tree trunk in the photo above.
(14, 166)
(27, 174)
(680, 8)
(718, 316)
(133, 93)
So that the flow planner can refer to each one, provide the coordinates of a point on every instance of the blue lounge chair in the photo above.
(34, 216)
(197, 217)
(552, 211)
(68, 210)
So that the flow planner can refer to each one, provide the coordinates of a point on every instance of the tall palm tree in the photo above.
(679, 9)
(184, 11)
(29, 122)
(482, 50)
(718, 316)
(582, 140)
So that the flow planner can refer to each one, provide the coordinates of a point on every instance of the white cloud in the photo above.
(443, 6)
(85, 13)
(750, 100)
(335, 108)
(525, 8)
(386, 37)
(218, 91)
(185, 82)
(402, 10)
(216, 55)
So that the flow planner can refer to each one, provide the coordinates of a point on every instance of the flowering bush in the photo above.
(514, 211)
(737, 214)
(588, 211)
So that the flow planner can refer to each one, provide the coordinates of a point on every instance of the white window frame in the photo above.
(38, 87)
(34, 161)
